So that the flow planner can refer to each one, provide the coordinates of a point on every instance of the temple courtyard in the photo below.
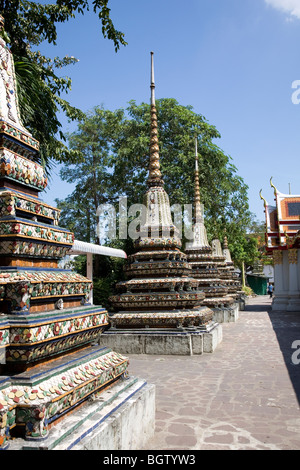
(244, 396)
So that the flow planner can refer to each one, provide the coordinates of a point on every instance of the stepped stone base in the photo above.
(185, 342)
(122, 418)
(226, 314)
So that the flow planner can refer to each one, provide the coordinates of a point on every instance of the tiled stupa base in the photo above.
(34, 401)
(27, 339)
(164, 341)
(121, 418)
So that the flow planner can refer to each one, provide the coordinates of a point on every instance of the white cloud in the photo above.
(291, 7)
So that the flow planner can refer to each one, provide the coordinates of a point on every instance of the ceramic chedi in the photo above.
(238, 291)
(229, 276)
(204, 267)
(159, 292)
(46, 323)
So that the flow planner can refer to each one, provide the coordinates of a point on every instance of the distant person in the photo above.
(270, 290)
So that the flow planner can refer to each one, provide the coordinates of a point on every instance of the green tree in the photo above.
(116, 149)
(94, 140)
(223, 191)
(40, 88)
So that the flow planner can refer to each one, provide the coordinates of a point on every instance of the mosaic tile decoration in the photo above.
(14, 228)
(162, 319)
(22, 170)
(36, 336)
(47, 326)
(35, 403)
(33, 249)
(11, 201)
(21, 287)
(161, 299)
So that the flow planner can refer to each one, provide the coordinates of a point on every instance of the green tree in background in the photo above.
(40, 88)
(115, 146)
(94, 140)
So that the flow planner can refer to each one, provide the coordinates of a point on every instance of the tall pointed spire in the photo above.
(10, 118)
(154, 178)
(199, 231)
(198, 212)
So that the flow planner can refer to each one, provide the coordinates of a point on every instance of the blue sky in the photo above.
(234, 61)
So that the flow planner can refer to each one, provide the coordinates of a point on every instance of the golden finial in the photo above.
(225, 243)
(154, 178)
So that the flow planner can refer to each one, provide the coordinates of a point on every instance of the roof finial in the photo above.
(272, 185)
(262, 198)
(154, 178)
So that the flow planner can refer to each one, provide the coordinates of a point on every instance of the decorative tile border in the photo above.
(173, 319)
(18, 228)
(153, 300)
(33, 249)
(35, 405)
(157, 268)
(49, 349)
(159, 242)
(34, 336)
(11, 201)
(20, 288)
(22, 170)
(171, 284)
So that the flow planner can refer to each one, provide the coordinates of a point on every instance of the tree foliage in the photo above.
(40, 88)
(116, 149)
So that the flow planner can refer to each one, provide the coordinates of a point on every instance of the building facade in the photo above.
(283, 244)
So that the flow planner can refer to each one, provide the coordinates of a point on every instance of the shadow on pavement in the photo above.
(286, 326)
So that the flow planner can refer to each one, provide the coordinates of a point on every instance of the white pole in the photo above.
(89, 272)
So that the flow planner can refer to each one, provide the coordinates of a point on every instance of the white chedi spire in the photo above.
(217, 248)
(226, 251)
(200, 239)
(9, 107)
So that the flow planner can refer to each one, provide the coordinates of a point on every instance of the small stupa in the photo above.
(160, 295)
(204, 266)
(227, 271)
(50, 366)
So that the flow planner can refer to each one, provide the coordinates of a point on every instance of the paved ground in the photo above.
(245, 395)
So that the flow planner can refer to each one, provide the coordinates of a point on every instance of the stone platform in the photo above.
(226, 314)
(186, 342)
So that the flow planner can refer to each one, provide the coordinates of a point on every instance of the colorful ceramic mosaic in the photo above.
(20, 287)
(47, 325)
(11, 202)
(162, 319)
(35, 231)
(21, 169)
(226, 269)
(34, 352)
(37, 405)
(47, 329)
(10, 121)
(33, 249)
(158, 274)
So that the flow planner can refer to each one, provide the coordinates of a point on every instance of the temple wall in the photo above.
(286, 280)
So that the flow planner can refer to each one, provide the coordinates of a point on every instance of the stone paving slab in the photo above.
(243, 396)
